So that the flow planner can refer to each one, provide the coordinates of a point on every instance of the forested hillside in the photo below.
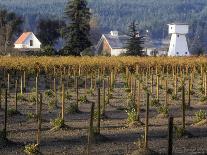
(117, 14)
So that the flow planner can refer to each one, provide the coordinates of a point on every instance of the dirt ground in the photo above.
(121, 139)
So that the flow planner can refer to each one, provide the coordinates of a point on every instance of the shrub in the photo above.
(154, 103)
(11, 112)
(57, 123)
(200, 115)
(90, 91)
(83, 99)
(52, 104)
(179, 131)
(163, 110)
(132, 115)
(169, 90)
(31, 149)
(32, 97)
(175, 97)
(203, 98)
(49, 93)
(67, 95)
(21, 97)
(72, 109)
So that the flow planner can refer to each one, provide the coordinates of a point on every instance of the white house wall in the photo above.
(117, 52)
(36, 43)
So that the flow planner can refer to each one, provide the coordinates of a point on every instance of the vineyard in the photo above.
(103, 105)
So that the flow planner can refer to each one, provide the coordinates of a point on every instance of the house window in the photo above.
(31, 42)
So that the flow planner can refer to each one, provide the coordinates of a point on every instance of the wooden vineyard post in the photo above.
(146, 123)
(63, 103)
(170, 135)
(104, 97)
(8, 83)
(189, 92)
(5, 117)
(21, 85)
(39, 121)
(205, 86)
(99, 112)
(152, 82)
(0, 98)
(77, 93)
(36, 94)
(86, 85)
(108, 89)
(55, 91)
(24, 81)
(157, 88)
(138, 100)
(16, 91)
(175, 85)
(183, 106)
(166, 93)
(91, 131)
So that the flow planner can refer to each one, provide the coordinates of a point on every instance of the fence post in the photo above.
(99, 111)
(39, 121)
(5, 117)
(146, 122)
(170, 135)
(91, 131)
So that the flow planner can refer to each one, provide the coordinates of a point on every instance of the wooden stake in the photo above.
(91, 131)
(183, 106)
(63, 102)
(39, 121)
(5, 117)
(146, 122)
(170, 135)
(16, 92)
(99, 111)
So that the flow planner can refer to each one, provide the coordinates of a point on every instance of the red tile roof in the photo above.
(23, 37)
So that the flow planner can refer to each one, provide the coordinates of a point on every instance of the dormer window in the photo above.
(31, 42)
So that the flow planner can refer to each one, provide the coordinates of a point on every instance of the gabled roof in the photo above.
(116, 42)
(23, 37)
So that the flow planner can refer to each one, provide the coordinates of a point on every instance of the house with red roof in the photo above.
(27, 41)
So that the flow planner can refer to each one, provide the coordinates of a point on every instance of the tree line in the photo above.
(75, 31)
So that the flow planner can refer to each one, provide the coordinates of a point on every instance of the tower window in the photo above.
(186, 52)
(177, 53)
(31, 42)
(178, 35)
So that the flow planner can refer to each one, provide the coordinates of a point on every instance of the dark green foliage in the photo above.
(48, 50)
(77, 32)
(49, 31)
(9, 27)
(135, 42)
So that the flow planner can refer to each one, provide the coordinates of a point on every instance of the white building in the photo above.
(112, 44)
(178, 43)
(27, 41)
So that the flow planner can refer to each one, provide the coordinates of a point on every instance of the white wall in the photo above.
(26, 43)
(178, 46)
(181, 29)
(117, 52)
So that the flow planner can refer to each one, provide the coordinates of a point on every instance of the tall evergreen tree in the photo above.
(78, 31)
(135, 41)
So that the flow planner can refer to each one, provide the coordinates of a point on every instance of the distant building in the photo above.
(27, 41)
(178, 43)
(112, 44)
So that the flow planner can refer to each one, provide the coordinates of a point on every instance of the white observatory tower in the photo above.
(178, 43)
